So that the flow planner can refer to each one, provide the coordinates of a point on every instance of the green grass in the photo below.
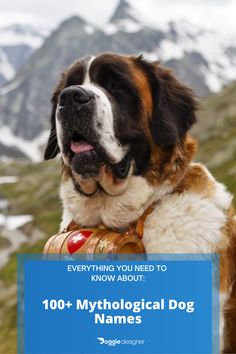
(8, 333)
(4, 243)
(36, 193)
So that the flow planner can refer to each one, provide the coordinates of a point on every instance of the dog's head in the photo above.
(117, 116)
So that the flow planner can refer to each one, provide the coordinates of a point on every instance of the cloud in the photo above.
(218, 14)
(211, 14)
(50, 12)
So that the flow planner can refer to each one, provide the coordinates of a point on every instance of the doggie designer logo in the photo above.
(115, 342)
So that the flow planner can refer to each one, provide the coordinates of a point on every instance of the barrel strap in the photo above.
(135, 228)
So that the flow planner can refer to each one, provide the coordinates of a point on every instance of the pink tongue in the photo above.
(82, 146)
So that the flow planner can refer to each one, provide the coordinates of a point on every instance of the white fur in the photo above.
(104, 125)
(87, 77)
(114, 212)
(184, 223)
(103, 120)
(66, 217)
(223, 299)
(188, 222)
(59, 131)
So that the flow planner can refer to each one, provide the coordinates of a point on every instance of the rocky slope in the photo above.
(17, 43)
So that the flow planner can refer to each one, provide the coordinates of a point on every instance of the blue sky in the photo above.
(48, 13)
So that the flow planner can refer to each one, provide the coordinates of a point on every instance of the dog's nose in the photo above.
(74, 95)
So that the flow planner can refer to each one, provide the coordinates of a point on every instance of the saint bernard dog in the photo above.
(121, 126)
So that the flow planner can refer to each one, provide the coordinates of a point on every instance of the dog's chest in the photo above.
(184, 222)
(114, 212)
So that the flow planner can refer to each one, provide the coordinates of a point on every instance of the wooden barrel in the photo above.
(94, 240)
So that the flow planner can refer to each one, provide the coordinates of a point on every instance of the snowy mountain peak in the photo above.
(76, 24)
(7, 71)
(123, 12)
(17, 34)
(125, 19)
(73, 21)
(25, 30)
(17, 43)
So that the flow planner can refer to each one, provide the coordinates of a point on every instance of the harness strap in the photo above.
(140, 222)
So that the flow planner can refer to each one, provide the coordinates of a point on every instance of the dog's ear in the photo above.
(52, 148)
(174, 108)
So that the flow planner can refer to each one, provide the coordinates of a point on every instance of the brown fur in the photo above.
(230, 319)
(88, 185)
(197, 181)
(171, 164)
(144, 89)
(228, 280)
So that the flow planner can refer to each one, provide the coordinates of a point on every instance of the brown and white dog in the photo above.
(120, 124)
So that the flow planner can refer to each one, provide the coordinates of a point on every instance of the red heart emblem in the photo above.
(77, 239)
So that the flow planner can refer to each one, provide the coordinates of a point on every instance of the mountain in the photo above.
(123, 12)
(205, 60)
(25, 101)
(17, 43)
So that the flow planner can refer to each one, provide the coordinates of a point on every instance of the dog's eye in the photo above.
(114, 86)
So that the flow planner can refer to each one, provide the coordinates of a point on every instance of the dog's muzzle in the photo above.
(77, 111)
(77, 107)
